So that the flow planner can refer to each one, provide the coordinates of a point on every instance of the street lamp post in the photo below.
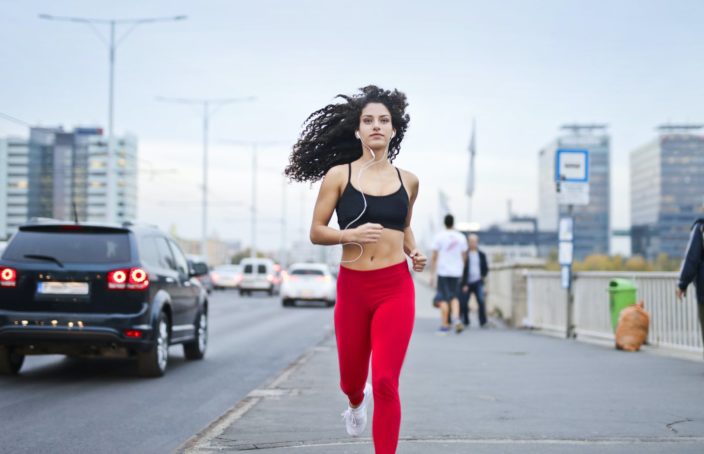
(12, 119)
(284, 258)
(210, 107)
(253, 210)
(112, 46)
(253, 252)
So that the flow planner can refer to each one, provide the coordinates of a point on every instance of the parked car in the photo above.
(308, 282)
(99, 290)
(226, 276)
(257, 275)
(202, 271)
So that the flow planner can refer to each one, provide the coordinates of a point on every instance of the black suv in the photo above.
(98, 290)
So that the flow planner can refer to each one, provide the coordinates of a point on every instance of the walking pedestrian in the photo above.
(476, 268)
(449, 254)
(692, 270)
(352, 145)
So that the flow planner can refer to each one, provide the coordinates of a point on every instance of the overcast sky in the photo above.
(520, 68)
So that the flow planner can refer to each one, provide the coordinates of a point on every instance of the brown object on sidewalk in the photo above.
(632, 330)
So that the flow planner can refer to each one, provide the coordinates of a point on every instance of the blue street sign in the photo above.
(572, 165)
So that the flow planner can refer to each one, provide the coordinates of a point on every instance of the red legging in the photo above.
(374, 316)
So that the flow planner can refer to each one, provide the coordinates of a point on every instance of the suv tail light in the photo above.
(8, 277)
(133, 333)
(128, 279)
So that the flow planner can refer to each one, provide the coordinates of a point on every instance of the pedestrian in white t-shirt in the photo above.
(447, 264)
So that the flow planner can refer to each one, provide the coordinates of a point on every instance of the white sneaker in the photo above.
(356, 418)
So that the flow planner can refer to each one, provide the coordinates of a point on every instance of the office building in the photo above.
(67, 175)
(13, 184)
(592, 221)
(667, 190)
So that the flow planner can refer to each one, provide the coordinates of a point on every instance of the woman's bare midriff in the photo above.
(385, 252)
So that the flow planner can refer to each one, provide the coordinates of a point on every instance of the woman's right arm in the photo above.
(692, 259)
(330, 191)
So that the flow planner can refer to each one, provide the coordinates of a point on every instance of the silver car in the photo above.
(308, 282)
(226, 276)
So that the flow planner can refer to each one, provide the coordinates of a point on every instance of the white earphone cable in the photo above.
(367, 165)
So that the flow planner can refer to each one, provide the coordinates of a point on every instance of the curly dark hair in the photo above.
(328, 134)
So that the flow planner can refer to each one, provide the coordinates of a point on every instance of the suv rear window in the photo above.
(307, 272)
(70, 247)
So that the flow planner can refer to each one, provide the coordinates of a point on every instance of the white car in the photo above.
(308, 282)
(258, 274)
(226, 276)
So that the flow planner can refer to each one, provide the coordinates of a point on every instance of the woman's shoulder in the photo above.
(336, 175)
(408, 177)
(336, 171)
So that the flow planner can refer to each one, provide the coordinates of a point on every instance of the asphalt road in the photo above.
(62, 405)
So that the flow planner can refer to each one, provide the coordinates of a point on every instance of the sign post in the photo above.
(572, 185)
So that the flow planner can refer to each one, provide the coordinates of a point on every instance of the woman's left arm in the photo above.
(409, 240)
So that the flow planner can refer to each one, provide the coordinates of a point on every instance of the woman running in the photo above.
(352, 145)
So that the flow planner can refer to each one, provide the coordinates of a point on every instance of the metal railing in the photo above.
(546, 301)
(673, 324)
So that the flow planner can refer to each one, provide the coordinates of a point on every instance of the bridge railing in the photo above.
(543, 303)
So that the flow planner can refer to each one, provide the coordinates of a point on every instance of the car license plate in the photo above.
(62, 288)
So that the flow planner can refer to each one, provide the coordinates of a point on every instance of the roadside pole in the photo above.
(572, 185)
(566, 254)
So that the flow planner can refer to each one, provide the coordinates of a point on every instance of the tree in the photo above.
(663, 262)
(602, 262)
(595, 262)
(243, 254)
(638, 263)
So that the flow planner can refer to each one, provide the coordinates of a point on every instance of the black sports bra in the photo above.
(388, 210)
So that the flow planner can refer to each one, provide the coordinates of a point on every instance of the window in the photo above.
(148, 251)
(70, 247)
(261, 269)
(181, 262)
(166, 258)
(200, 268)
(307, 272)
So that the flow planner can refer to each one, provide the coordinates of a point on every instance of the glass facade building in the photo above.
(517, 239)
(591, 222)
(13, 184)
(67, 175)
(667, 192)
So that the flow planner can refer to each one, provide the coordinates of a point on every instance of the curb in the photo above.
(201, 442)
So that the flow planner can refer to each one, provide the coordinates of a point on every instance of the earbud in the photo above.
(393, 134)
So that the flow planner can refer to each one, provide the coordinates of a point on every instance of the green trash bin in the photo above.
(622, 293)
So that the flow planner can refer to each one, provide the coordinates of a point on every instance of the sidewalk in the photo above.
(483, 391)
